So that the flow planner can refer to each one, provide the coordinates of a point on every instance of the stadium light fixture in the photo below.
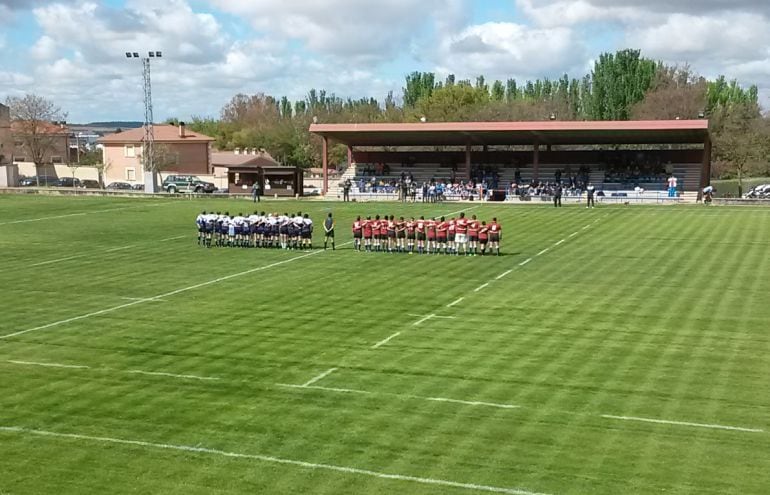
(149, 138)
(553, 116)
(423, 119)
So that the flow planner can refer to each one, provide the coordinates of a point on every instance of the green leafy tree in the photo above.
(742, 141)
(619, 81)
(419, 85)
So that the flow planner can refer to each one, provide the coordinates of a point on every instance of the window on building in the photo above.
(130, 174)
(19, 159)
(55, 159)
(129, 151)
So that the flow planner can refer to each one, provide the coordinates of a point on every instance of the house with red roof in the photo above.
(183, 152)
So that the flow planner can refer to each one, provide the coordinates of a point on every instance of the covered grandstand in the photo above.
(615, 156)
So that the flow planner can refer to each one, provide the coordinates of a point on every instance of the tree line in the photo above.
(621, 86)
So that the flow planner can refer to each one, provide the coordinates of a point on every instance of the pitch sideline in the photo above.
(271, 459)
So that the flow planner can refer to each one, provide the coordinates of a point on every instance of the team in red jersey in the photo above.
(457, 236)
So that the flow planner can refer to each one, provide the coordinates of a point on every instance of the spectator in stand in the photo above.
(346, 190)
(672, 182)
(590, 196)
(557, 191)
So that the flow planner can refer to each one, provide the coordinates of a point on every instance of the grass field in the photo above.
(609, 351)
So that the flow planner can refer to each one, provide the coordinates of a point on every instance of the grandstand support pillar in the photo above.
(325, 164)
(536, 162)
(468, 161)
(350, 155)
(705, 178)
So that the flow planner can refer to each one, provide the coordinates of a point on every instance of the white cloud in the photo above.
(45, 48)
(504, 49)
(361, 31)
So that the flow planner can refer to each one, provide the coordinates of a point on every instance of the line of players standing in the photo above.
(257, 230)
(432, 236)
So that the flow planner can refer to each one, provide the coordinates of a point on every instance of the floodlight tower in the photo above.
(148, 155)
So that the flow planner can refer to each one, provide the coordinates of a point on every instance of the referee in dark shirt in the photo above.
(329, 231)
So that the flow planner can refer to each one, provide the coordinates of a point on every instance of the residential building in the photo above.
(181, 151)
(6, 138)
(51, 143)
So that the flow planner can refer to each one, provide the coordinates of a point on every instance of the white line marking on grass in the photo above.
(682, 423)
(467, 402)
(424, 319)
(144, 299)
(58, 260)
(44, 218)
(271, 459)
(560, 242)
(482, 286)
(118, 249)
(525, 261)
(586, 227)
(503, 275)
(459, 211)
(330, 389)
(172, 375)
(320, 377)
(407, 396)
(173, 238)
(84, 213)
(573, 234)
(160, 296)
(385, 341)
(457, 301)
(543, 251)
(47, 365)
(435, 316)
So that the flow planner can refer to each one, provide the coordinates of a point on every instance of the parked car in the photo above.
(760, 192)
(121, 186)
(90, 184)
(137, 187)
(69, 182)
(42, 180)
(187, 183)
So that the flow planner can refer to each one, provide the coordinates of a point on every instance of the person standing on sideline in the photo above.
(329, 231)
(590, 196)
(557, 191)
(255, 192)
(672, 180)
(346, 190)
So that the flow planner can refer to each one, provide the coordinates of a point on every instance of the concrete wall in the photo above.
(82, 173)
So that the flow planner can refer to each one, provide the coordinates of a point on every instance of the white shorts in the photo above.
(461, 238)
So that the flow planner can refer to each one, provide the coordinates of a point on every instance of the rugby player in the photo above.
(358, 229)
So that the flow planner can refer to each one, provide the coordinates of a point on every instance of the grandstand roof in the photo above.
(517, 133)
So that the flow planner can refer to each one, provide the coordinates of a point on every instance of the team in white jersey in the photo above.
(265, 230)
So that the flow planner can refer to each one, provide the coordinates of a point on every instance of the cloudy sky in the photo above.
(72, 51)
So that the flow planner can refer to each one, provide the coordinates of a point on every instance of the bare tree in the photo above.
(33, 117)
(163, 158)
